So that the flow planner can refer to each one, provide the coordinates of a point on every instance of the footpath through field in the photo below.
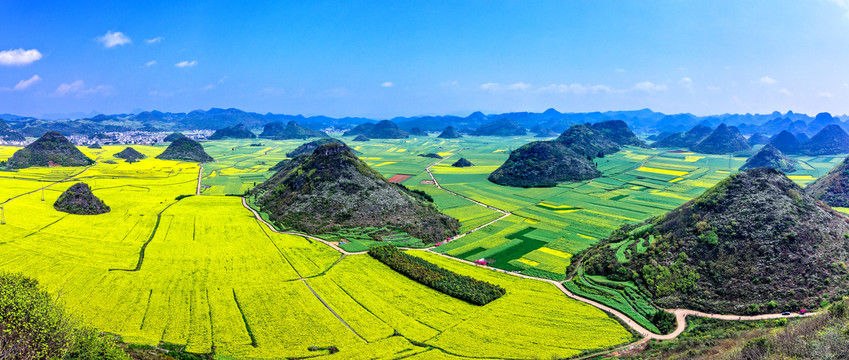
(680, 314)
(70, 177)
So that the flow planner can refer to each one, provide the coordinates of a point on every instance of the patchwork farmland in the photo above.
(245, 291)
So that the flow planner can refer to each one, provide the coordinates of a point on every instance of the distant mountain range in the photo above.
(549, 121)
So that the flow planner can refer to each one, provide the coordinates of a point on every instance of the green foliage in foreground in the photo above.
(33, 326)
(450, 283)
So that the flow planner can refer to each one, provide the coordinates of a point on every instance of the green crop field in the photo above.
(203, 272)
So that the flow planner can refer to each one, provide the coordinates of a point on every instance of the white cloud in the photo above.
(150, 63)
(715, 89)
(687, 83)
(649, 86)
(520, 86)
(183, 64)
(387, 84)
(213, 85)
(78, 88)
(113, 39)
(24, 84)
(154, 40)
(843, 4)
(19, 56)
(574, 88)
(768, 80)
(785, 92)
(619, 70)
(826, 95)
(450, 83)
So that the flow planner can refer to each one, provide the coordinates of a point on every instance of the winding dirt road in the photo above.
(680, 314)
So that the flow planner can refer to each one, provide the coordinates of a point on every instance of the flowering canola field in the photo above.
(203, 272)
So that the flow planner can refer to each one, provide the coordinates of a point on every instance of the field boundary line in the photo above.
(152, 235)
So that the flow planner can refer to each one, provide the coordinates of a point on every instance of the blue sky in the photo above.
(402, 58)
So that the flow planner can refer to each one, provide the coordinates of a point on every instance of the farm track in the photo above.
(51, 184)
(680, 314)
(144, 246)
(200, 177)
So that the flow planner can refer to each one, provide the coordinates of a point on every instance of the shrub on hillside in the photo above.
(448, 282)
(33, 326)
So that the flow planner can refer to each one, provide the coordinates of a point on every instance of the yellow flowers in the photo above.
(662, 171)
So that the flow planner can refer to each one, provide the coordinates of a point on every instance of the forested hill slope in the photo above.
(754, 243)
(50, 149)
(331, 188)
(569, 157)
(832, 189)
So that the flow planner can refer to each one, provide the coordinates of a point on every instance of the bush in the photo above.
(755, 349)
(450, 283)
(665, 321)
(32, 326)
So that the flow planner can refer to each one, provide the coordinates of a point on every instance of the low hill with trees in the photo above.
(7, 134)
(569, 157)
(185, 149)
(51, 149)
(449, 133)
(769, 156)
(786, 142)
(500, 127)
(831, 140)
(173, 136)
(292, 130)
(79, 200)
(130, 155)
(331, 188)
(683, 139)
(754, 243)
(833, 188)
(722, 140)
(233, 132)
